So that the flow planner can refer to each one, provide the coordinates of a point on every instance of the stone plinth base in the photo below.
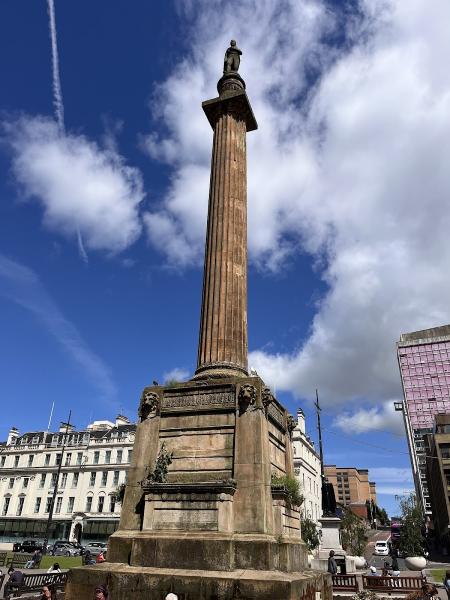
(331, 534)
(206, 550)
(149, 583)
(320, 563)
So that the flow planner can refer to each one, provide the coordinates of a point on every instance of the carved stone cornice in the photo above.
(233, 102)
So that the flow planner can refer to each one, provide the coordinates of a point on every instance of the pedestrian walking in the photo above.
(332, 564)
(395, 567)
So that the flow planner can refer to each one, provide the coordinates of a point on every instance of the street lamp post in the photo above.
(55, 491)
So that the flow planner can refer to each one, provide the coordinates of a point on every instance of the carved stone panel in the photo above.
(198, 400)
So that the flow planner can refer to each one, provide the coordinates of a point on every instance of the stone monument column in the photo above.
(223, 344)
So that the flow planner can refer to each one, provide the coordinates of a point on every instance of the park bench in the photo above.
(3, 556)
(19, 559)
(33, 582)
(393, 585)
(345, 583)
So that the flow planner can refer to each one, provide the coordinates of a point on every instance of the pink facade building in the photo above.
(424, 361)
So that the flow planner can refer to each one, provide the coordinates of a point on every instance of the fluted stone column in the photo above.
(223, 343)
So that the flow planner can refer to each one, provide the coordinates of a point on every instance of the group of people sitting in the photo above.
(15, 580)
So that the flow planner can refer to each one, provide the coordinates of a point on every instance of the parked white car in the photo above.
(381, 549)
(95, 548)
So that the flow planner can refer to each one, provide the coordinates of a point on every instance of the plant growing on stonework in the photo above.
(291, 487)
(353, 533)
(120, 493)
(411, 539)
(365, 595)
(159, 473)
(310, 534)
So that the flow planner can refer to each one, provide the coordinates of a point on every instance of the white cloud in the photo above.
(392, 481)
(354, 171)
(176, 374)
(376, 418)
(85, 190)
(21, 285)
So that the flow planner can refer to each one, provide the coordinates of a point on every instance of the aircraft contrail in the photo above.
(58, 102)
(57, 93)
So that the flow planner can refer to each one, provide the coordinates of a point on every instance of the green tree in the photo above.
(411, 539)
(353, 533)
(310, 534)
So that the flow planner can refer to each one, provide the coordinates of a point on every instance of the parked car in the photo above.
(65, 550)
(381, 549)
(27, 546)
(62, 543)
(95, 548)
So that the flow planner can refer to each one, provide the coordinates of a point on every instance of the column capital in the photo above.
(232, 102)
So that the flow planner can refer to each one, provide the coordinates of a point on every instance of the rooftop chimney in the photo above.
(301, 420)
(65, 427)
(12, 436)
(122, 420)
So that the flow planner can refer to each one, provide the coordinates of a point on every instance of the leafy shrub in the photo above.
(291, 487)
(310, 534)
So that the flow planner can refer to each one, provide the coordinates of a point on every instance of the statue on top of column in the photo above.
(232, 58)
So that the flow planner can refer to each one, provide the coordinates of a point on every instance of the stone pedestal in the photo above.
(216, 527)
(331, 540)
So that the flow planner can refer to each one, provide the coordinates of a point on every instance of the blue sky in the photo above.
(102, 228)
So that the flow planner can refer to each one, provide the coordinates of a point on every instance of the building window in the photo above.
(42, 481)
(70, 504)
(104, 478)
(47, 460)
(63, 480)
(89, 504)
(445, 450)
(130, 452)
(3, 461)
(68, 458)
(54, 479)
(58, 458)
(119, 456)
(108, 457)
(16, 461)
(101, 501)
(58, 505)
(20, 506)
(37, 505)
(112, 504)
(30, 460)
(116, 478)
(75, 480)
(11, 483)
(25, 482)
(48, 504)
(96, 457)
(92, 479)
(6, 502)
(79, 458)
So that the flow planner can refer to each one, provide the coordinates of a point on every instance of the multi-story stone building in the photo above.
(437, 448)
(93, 463)
(352, 487)
(307, 469)
(424, 361)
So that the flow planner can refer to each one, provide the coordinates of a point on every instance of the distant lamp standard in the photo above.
(55, 490)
